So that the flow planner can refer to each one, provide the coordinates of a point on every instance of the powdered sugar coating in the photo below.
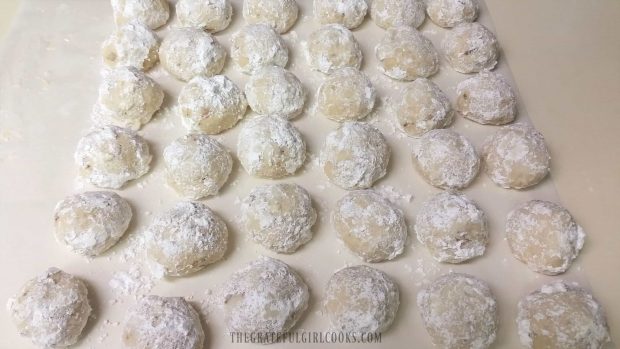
(446, 159)
(559, 315)
(486, 98)
(448, 13)
(274, 90)
(188, 52)
(266, 296)
(197, 165)
(280, 14)
(421, 107)
(361, 300)
(270, 147)
(452, 228)
(370, 226)
(210, 15)
(163, 323)
(346, 95)
(471, 48)
(516, 156)
(393, 13)
(90, 223)
(278, 216)
(110, 156)
(258, 45)
(132, 45)
(355, 156)
(153, 13)
(332, 47)
(51, 309)
(544, 236)
(405, 54)
(349, 13)
(186, 238)
(459, 311)
(211, 105)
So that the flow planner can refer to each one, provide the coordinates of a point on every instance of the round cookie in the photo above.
(211, 105)
(110, 156)
(90, 223)
(446, 159)
(127, 98)
(270, 147)
(189, 52)
(394, 13)
(471, 48)
(452, 228)
(209, 15)
(487, 99)
(163, 322)
(361, 300)
(267, 297)
(131, 45)
(51, 310)
(448, 13)
(332, 47)
(280, 14)
(185, 239)
(405, 54)
(459, 311)
(274, 90)
(346, 95)
(421, 107)
(278, 216)
(370, 226)
(349, 13)
(153, 13)
(197, 165)
(516, 156)
(257, 45)
(559, 315)
(544, 236)
(355, 156)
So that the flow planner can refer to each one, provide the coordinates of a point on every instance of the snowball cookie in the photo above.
(370, 226)
(346, 95)
(516, 156)
(51, 309)
(361, 299)
(256, 46)
(422, 107)
(280, 14)
(90, 223)
(349, 13)
(266, 297)
(186, 238)
(332, 47)
(270, 147)
(210, 15)
(274, 90)
(394, 13)
(153, 13)
(544, 236)
(459, 311)
(189, 52)
(405, 54)
(127, 98)
(559, 315)
(278, 216)
(110, 156)
(131, 45)
(163, 322)
(211, 105)
(486, 98)
(197, 165)
(448, 13)
(470, 48)
(452, 228)
(446, 159)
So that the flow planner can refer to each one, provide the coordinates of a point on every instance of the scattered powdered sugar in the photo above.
(393, 194)
(133, 282)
